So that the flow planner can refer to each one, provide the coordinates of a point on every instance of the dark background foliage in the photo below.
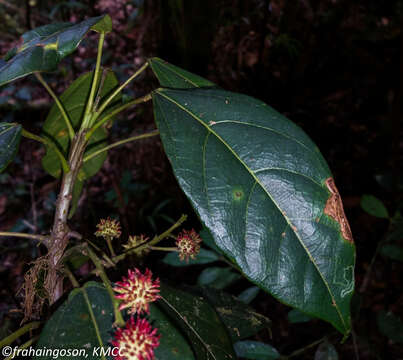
(335, 67)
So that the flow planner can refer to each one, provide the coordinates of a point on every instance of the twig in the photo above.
(305, 348)
(160, 248)
(353, 335)
(33, 205)
(23, 346)
(101, 272)
(41, 238)
(71, 277)
(367, 276)
(21, 331)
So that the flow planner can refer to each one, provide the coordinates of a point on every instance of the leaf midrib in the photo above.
(161, 92)
(207, 347)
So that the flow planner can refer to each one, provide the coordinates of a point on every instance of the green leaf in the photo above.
(43, 48)
(255, 350)
(74, 102)
(103, 26)
(174, 77)
(395, 232)
(374, 206)
(173, 345)
(203, 257)
(83, 321)
(393, 252)
(241, 320)
(326, 351)
(217, 277)
(199, 321)
(265, 193)
(10, 136)
(249, 294)
(390, 326)
(295, 316)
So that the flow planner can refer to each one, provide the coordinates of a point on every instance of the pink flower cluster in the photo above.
(137, 340)
(188, 244)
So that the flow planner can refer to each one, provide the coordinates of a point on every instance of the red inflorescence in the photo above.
(188, 243)
(137, 291)
(108, 228)
(136, 341)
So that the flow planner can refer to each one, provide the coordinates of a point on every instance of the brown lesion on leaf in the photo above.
(334, 209)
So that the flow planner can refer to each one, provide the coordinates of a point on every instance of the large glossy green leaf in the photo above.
(173, 345)
(10, 136)
(266, 194)
(174, 77)
(241, 320)
(83, 321)
(200, 322)
(74, 101)
(43, 48)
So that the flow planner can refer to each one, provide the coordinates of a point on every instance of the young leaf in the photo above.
(10, 136)
(199, 321)
(172, 76)
(249, 294)
(217, 277)
(390, 326)
(393, 252)
(374, 206)
(104, 25)
(265, 193)
(203, 257)
(326, 351)
(43, 48)
(74, 101)
(83, 321)
(255, 350)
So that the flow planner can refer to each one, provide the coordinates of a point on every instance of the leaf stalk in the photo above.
(117, 91)
(121, 142)
(50, 143)
(58, 103)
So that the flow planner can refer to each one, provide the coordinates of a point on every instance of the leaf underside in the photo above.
(43, 48)
(10, 136)
(74, 102)
(259, 185)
